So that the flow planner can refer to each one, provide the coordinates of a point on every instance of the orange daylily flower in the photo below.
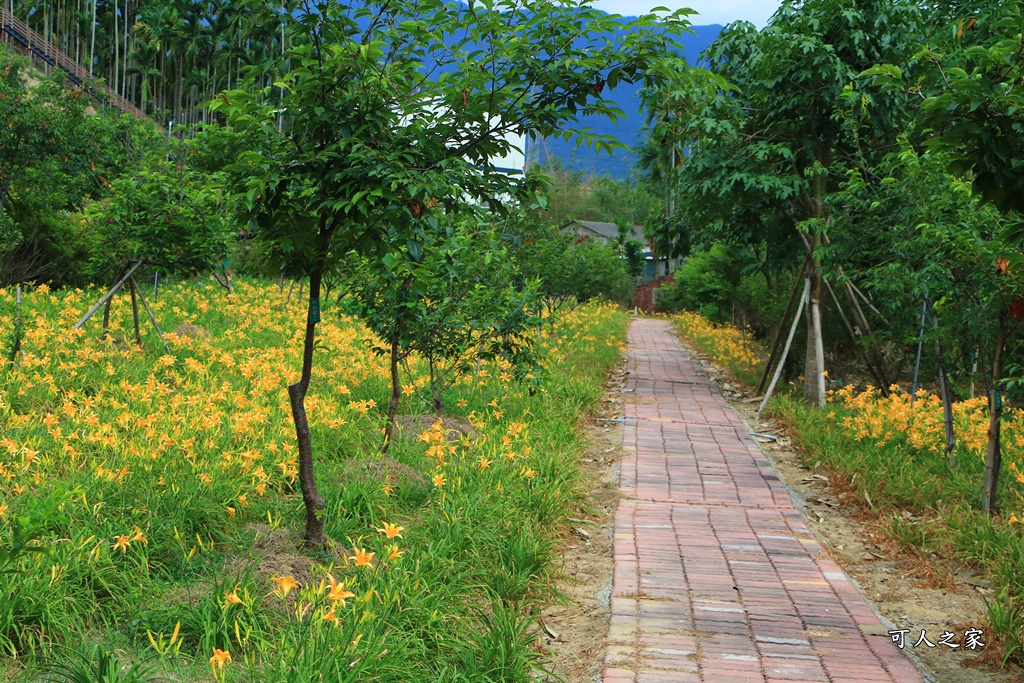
(122, 543)
(363, 558)
(438, 479)
(338, 591)
(391, 531)
(231, 598)
(219, 659)
(331, 617)
(285, 584)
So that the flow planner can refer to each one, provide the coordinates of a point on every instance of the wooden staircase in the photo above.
(13, 31)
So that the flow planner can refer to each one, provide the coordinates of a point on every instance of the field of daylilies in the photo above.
(739, 354)
(891, 455)
(149, 503)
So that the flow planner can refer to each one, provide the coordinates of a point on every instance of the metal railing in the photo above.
(13, 30)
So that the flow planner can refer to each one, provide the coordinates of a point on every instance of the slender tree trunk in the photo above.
(437, 387)
(113, 75)
(92, 39)
(396, 390)
(946, 393)
(994, 456)
(297, 396)
(814, 360)
(396, 381)
(124, 55)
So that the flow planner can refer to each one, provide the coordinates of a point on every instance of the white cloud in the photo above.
(710, 11)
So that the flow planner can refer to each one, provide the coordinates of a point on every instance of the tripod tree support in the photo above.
(152, 318)
(778, 337)
(785, 352)
(108, 295)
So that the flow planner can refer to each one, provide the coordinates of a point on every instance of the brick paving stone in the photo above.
(717, 578)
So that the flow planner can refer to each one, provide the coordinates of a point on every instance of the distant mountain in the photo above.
(628, 130)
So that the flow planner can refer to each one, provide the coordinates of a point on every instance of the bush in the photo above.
(728, 285)
(571, 270)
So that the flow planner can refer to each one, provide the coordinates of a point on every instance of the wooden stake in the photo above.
(870, 305)
(778, 337)
(974, 370)
(785, 351)
(917, 363)
(135, 312)
(853, 334)
(107, 296)
(17, 326)
(152, 319)
(819, 350)
(947, 406)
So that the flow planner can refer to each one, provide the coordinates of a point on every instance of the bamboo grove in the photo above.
(167, 58)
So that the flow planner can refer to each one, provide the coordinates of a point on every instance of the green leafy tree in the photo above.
(767, 143)
(570, 269)
(53, 158)
(174, 217)
(918, 237)
(390, 112)
(454, 302)
(972, 102)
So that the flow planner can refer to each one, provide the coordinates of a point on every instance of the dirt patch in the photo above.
(576, 633)
(455, 427)
(193, 332)
(278, 552)
(908, 590)
(382, 469)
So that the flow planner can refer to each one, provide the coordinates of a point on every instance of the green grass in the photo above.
(156, 486)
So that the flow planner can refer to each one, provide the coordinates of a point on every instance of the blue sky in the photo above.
(711, 11)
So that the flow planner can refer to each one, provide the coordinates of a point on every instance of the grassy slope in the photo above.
(173, 478)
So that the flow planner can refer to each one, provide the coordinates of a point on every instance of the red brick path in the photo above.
(717, 579)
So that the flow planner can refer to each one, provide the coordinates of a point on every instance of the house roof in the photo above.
(608, 231)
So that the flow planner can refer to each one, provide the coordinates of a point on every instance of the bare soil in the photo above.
(908, 590)
(576, 633)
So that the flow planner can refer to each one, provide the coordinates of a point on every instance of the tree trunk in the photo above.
(814, 360)
(92, 40)
(396, 390)
(297, 395)
(946, 393)
(396, 358)
(994, 456)
(436, 388)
